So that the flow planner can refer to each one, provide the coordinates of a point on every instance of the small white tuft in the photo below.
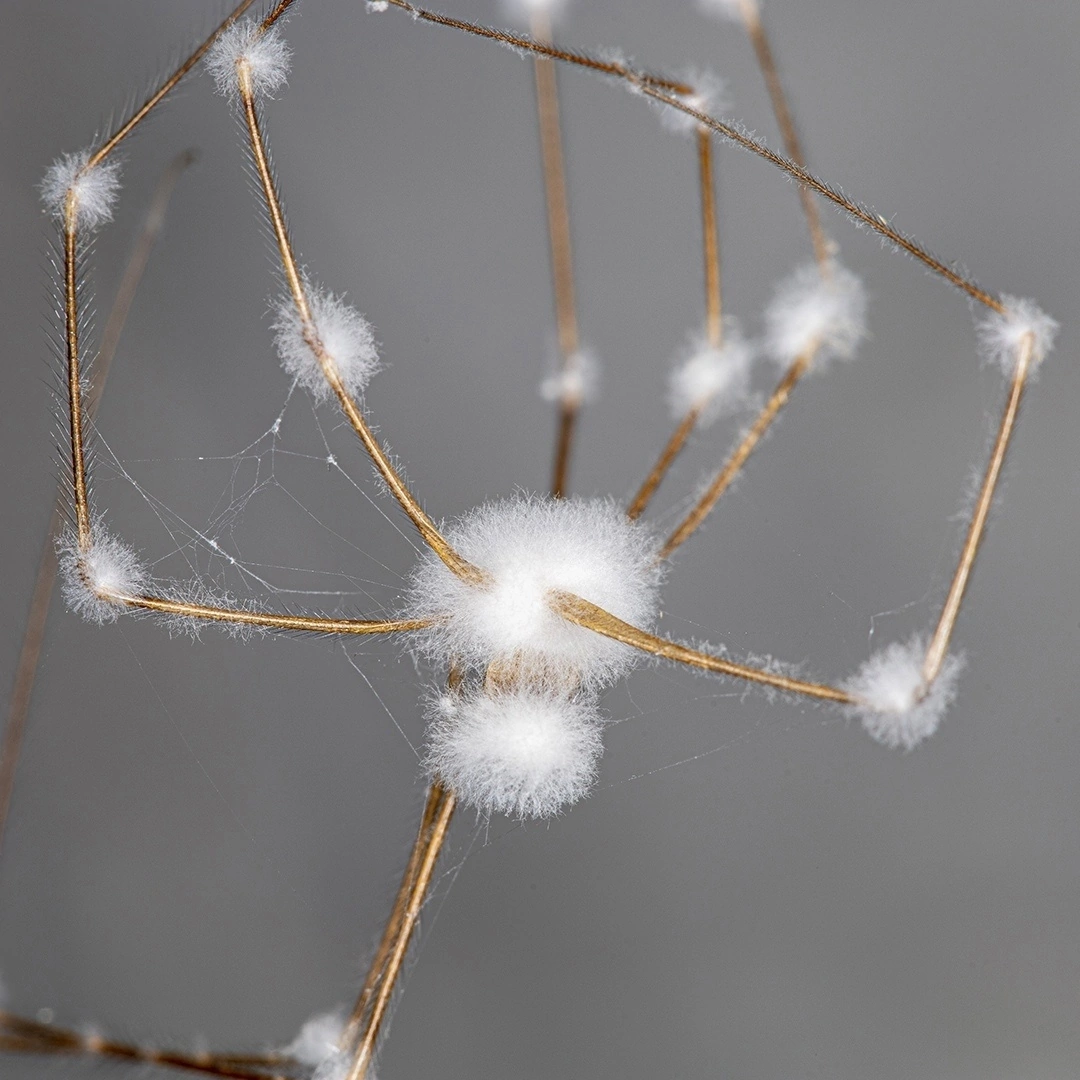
(318, 1039)
(710, 96)
(1001, 336)
(531, 546)
(894, 709)
(345, 334)
(266, 54)
(93, 581)
(375, 7)
(524, 10)
(95, 189)
(575, 382)
(714, 381)
(727, 9)
(524, 752)
(336, 1067)
(810, 309)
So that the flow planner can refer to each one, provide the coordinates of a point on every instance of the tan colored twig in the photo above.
(663, 464)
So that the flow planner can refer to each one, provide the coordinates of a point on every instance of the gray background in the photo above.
(205, 837)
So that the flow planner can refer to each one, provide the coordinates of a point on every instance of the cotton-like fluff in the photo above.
(812, 310)
(523, 752)
(317, 1041)
(710, 97)
(1001, 335)
(95, 189)
(892, 707)
(91, 581)
(713, 381)
(266, 54)
(529, 546)
(345, 334)
(726, 9)
(575, 381)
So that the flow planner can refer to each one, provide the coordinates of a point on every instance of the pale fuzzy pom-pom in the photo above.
(726, 9)
(345, 334)
(267, 56)
(92, 581)
(95, 189)
(709, 97)
(1001, 336)
(531, 546)
(889, 686)
(712, 380)
(376, 7)
(318, 1039)
(524, 753)
(575, 382)
(524, 10)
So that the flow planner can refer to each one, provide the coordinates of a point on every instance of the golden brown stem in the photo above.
(734, 464)
(786, 122)
(583, 613)
(278, 10)
(74, 374)
(438, 814)
(663, 463)
(939, 643)
(710, 236)
(426, 527)
(667, 91)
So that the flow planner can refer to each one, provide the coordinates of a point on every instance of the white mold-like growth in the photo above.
(95, 189)
(727, 9)
(575, 382)
(317, 1041)
(94, 581)
(336, 1066)
(1001, 336)
(710, 96)
(266, 54)
(713, 381)
(345, 335)
(531, 546)
(811, 310)
(525, 752)
(376, 7)
(525, 10)
(895, 707)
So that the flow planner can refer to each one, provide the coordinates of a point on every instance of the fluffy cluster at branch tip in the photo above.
(526, 752)
(714, 381)
(318, 1039)
(812, 310)
(727, 9)
(376, 7)
(710, 96)
(896, 708)
(1001, 336)
(91, 580)
(265, 53)
(345, 335)
(575, 381)
(95, 189)
(530, 547)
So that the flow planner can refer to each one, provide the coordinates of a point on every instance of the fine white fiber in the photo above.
(713, 381)
(531, 546)
(318, 1039)
(710, 97)
(727, 9)
(895, 707)
(346, 338)
(265, 53)
(336, 1066)
(378, 6)
(95, 189)
(525, 752)
(811, 310)
(575, 381)
(93, 582)
(524, 10)
(1001, 336)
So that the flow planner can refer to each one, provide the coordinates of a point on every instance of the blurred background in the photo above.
(206, 837)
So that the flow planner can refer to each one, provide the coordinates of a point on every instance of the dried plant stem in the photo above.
(939, 642)
(583, 613)
(275, 13)
(667, 91)
(426, 527)
(751, 17)
(722, 481)
(34, 635)
(664, 462)
(562, 255)
(433, 832)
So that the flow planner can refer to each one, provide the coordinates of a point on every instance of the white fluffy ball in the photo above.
(93, 581)
(95, 189)
(266, 54)
(715, 381)
(1000, 336)
(531, 546)
(524, 752)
